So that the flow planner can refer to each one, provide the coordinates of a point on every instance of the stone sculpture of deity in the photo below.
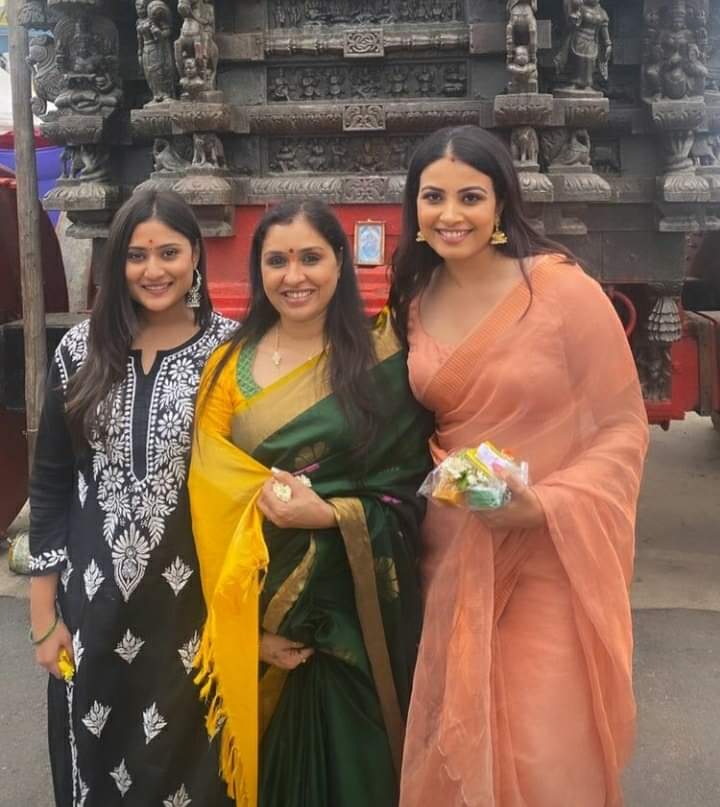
(196, 52)
(586, 45)
(675, 53)
(155, 49)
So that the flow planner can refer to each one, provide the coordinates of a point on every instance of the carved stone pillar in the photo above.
(75, 67)
(187, 151)
(674, 74)
(524, 108)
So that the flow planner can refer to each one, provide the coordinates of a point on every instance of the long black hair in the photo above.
(414, 262)
(114, 321)
(347, 331)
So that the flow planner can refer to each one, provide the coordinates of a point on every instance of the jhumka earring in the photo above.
(420, 238)
(192, 298)
(499, 237)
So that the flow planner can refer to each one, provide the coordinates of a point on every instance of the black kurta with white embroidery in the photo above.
(115, 523)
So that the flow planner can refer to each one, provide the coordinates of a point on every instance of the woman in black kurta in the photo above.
(112, 519)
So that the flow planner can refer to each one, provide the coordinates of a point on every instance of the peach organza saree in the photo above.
(523, 689)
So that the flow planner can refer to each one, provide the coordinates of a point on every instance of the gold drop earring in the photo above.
(499, 237)
(420, 238)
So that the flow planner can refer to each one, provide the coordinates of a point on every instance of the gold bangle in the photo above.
(54, 625)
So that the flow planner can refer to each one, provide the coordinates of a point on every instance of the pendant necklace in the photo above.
(276, 357)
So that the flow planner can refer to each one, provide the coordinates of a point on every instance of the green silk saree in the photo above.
(330, 732)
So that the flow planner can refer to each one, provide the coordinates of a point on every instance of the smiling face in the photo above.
(159, 266)
(300, 271)
(456, 208)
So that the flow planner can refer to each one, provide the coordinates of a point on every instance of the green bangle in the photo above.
(47, 635)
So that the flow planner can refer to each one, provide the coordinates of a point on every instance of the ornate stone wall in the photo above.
(611, 108)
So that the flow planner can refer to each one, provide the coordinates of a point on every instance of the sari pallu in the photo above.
(331, 731)
(523, 689)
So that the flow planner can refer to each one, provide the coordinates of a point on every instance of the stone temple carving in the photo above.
(87, 58)
(586, 46)
(675, 52)
(521, 30)
(155, 48)
(196, 53)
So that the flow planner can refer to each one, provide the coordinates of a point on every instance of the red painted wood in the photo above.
(13, 467)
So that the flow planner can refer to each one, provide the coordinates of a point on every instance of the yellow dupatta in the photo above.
(224, 484)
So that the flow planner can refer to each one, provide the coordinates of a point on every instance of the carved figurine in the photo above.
(675, 53)
(576, 150)
(196, 48)
(285, 159)
(366, 84)
(280, 90)
(523, 72)
(398, 81)
(455, 82)
(89, 163)
(524, 145)
(317, 159)
(192, 83)
(208, 151)
(309, 90)
(31, 14)
(335, 86)
(155, 49)
(562, 148)
(47, 79)
(521, 28)
(166, 158)
(424, 78)
(86, 57)
(366, 161)
(586, 45)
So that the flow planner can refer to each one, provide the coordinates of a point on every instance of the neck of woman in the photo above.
(473, 272)
(306, 332)
(178, 316)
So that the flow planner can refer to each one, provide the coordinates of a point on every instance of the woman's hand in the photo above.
(523, 511)
(47, 652)
(281, 652)
(304, 510)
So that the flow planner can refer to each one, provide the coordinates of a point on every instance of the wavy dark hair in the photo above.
(114, 321)
(414, 262)
(347, 330)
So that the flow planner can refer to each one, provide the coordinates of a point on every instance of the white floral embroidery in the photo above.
(153, 723)
(129, 647)
(84, 790)
(122, 778)
(47, 560)
(78, 649)
(93, 579)
(188, 652)
(135, 510)
(180, 799)
(65, 574)
(130, 554)
(96, 718)
(177, 574)
(82, 486)
(70, 691)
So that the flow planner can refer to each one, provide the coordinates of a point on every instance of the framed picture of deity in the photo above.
(369, 243)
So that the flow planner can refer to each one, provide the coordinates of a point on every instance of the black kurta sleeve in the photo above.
(51, 482)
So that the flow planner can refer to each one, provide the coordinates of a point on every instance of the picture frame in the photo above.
(369, 243)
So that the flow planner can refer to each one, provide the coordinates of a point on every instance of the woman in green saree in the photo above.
(313, 602)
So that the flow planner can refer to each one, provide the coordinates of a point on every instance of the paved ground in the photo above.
(677, 620)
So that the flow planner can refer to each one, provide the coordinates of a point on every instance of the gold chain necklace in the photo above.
(277, 355)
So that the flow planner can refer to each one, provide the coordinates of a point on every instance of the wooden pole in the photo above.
(28, 207)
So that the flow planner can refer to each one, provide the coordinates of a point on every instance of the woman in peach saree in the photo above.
(523, 690)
